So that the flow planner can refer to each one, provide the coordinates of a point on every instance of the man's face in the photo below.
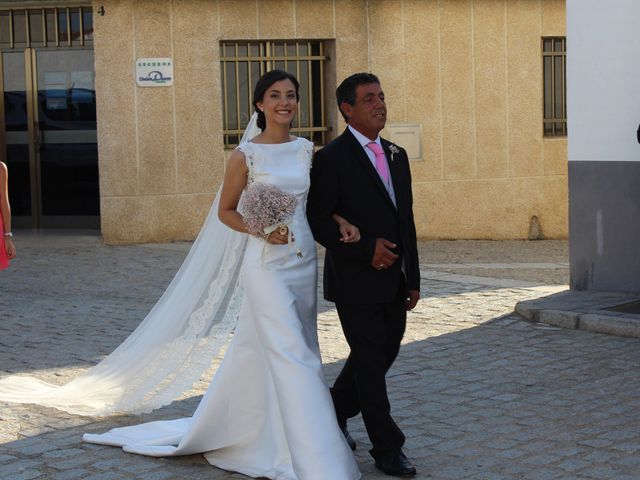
(369, 113)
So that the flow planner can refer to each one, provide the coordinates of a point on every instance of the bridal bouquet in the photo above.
(266, 208)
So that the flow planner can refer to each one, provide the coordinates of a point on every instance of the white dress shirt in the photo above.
(372, 157)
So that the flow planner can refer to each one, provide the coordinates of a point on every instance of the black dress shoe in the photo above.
(350, 440)
(396, 464)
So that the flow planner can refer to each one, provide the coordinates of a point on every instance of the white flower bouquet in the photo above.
(265, 208)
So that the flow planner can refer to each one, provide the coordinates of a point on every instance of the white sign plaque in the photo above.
(154, 72)
(408, 136)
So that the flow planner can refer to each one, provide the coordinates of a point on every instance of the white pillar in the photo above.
(603, 114)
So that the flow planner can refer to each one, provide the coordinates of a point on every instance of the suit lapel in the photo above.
(365, 162)
(394, 171)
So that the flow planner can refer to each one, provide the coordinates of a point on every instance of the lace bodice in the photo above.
(285, 165)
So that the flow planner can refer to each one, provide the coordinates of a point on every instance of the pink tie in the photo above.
(381, 160)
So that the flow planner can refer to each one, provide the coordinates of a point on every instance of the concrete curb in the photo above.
(588, 315)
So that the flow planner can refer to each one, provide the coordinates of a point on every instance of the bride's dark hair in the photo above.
(263, 84)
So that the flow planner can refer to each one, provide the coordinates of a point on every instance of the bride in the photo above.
(268, 411)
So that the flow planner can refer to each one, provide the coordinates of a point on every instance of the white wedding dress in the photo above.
(268, 411)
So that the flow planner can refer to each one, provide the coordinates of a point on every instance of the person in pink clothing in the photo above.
(7, 248)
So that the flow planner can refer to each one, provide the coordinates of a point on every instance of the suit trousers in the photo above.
(374, 332)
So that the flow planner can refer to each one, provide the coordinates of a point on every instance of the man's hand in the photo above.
(412, 299)
(383, 257)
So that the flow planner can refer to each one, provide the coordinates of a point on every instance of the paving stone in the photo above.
(27, 475)
(107, 476)
(159, 475)
(596, 442)
(106, 465)
(13, 469)
(512, 453)
(38, 449)
(63, 453)
(480, 393)
(74, 474)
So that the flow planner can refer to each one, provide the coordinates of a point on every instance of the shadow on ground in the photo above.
(504, 399)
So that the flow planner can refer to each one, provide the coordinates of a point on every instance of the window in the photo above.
(554, 67)
(242, 63)
(46, 27)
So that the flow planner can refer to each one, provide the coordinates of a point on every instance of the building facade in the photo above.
(474, 88)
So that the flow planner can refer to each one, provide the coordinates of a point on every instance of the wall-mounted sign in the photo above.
(408, 136)
(154, 72)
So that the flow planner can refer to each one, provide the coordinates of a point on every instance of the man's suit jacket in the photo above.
(344, 181)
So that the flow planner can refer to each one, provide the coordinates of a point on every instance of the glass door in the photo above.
(65, 138)
(15, 148)
(48, 137)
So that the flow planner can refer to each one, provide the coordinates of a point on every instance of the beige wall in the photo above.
(468, 71)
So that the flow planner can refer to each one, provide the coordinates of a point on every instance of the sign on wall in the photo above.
(408, 136)
(154, 72)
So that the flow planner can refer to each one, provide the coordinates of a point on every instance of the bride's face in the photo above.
(280, 102)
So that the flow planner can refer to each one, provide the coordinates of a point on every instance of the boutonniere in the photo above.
(393, 149)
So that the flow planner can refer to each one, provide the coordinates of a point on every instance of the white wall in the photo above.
(603, 79)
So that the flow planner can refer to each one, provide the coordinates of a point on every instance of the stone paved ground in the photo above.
(480, 393)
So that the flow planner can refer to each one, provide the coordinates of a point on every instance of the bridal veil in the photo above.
(175, 343)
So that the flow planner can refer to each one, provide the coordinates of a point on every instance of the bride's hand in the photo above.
(349, 233)
(276, 238)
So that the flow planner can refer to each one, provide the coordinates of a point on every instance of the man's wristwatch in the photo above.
(8, 234)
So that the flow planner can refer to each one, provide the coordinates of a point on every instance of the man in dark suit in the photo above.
(373, 282)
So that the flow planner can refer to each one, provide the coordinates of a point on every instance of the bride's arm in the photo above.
(350, 233)
(235, 180)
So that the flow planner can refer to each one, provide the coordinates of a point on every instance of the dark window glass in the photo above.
(51, 25)
(74, 14)
(36, 27)
(5, 37)
(63, 28)
(19, 27)
(554, 86)
(87, 24)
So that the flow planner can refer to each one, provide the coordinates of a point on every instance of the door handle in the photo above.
(39, 137)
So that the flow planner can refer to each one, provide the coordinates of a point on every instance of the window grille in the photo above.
(46, 27)
(243, 62)
(555, 88)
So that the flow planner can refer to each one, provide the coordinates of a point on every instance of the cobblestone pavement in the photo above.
(480, 393)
